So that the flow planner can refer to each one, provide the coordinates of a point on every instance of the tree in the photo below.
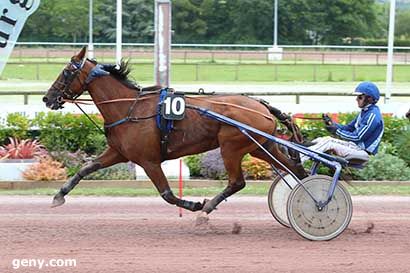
(137, 21)
(58, 21)
(216, 21)
(251, 21)
(403, 23)
(332, 20)
(187, 21)
(293, 22)
(223, 21)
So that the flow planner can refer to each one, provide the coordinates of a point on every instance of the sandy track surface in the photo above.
(107, 234)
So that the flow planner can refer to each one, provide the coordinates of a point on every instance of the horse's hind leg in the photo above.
(155, 173)
(232, 162)
(295, 166)
(108, 158)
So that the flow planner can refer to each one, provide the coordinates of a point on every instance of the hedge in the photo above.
(56, 131)
(69, 132)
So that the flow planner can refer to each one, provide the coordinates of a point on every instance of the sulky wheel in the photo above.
(278, 197)
(310, 222)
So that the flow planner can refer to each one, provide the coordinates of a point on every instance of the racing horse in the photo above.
(132, 134)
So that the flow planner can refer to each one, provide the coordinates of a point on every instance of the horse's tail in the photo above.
(285, 120)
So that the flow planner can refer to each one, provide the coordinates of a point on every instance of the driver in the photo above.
(359, 138)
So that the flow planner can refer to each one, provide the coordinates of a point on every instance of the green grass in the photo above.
(214, 72)
(253, 190)
(380, 190)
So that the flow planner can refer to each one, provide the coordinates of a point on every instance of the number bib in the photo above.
(173, 107)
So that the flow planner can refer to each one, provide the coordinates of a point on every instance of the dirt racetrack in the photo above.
(119, 234)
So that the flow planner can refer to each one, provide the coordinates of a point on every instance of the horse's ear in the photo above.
(81, 54)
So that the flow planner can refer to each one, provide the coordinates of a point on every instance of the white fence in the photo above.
(376, 55)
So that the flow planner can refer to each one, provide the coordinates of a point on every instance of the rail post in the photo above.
(353, 73)
(162, 45)
(197, 72)
(37, 71)
(314, 73)
(236, 72)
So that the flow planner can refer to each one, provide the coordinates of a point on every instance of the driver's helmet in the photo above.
(369, 89)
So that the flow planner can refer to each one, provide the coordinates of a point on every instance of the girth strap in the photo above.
(165, 126)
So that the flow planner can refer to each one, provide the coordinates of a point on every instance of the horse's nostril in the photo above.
(45, 99)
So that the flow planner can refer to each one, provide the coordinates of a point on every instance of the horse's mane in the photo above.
(121, 73)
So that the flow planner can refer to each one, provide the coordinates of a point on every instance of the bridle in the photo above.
(68, 78)
(70, 75)
(67, 94)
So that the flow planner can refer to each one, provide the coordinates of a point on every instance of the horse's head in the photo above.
(70, 84)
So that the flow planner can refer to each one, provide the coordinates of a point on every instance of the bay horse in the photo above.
(137, 138)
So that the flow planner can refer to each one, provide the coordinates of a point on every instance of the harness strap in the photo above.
(165, 126)
(115, 123)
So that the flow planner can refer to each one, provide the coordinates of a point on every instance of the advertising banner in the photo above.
(13, 15)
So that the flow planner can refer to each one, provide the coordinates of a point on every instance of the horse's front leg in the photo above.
(157, 177)
(106, 159)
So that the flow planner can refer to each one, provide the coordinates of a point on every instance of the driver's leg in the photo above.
(339, 147)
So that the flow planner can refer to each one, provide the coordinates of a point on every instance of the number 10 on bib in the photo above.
(173, 107)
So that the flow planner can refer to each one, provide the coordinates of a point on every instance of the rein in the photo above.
(292, 125)
(308, 118)
(93, 122)
(80, 101)
(73, 99)
(236, 106)
(90, 101)
(118, 122)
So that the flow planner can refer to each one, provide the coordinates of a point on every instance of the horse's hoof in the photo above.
(202, 219)
(200, 206)
(58, 200)
(197, 206)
